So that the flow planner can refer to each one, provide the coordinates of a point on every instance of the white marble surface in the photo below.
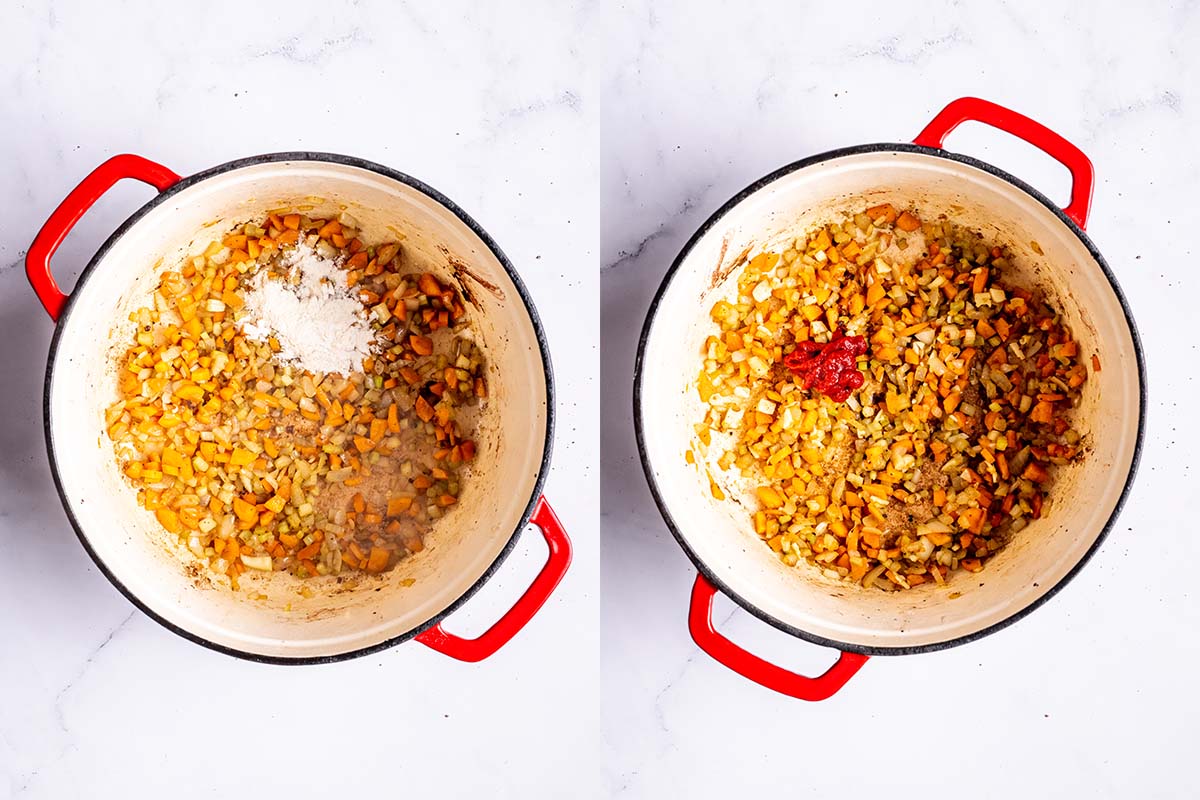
(96, 700)
(1094, 695)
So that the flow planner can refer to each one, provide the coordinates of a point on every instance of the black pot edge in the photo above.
(787, 170)
(387, 172)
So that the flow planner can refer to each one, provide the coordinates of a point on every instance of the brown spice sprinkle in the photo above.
(262, 466)
(950, 446)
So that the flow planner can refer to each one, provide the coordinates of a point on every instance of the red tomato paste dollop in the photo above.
(831, 368)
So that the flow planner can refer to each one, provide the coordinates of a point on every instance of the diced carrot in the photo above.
(972, 519)
(907, 222)
(981, 279)
(398, 505)
(875, 293)
(240, 457)
(884, 211)
(1042, 412)
(423, 409)
(1095, 363)
(421, 345)
(168, 519)
(308, 552)
(378, 560)
(245, 511)
(291, 221)
(1035, 472)
(428, 284)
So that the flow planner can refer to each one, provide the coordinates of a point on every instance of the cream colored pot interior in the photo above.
(338, 617)
(1047, 254)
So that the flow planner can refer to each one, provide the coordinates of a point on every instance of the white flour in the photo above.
(313, 314)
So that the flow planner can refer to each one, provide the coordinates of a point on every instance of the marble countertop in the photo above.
(578, 135)
(99, 701)
(1092, 695)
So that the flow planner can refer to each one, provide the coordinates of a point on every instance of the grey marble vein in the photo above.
(300, 49)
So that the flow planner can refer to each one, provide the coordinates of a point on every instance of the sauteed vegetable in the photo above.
(259, 465)
(949, 446)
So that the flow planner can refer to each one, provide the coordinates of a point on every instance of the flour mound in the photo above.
(311, 312)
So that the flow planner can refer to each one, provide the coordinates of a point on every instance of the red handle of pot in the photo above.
(972, 109)
(519, 615)
(69, 211)
(756, 669)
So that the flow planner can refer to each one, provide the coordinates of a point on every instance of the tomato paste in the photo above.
(830, 368)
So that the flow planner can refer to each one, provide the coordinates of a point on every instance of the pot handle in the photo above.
(966, 109)
(519, 615)
(756, 669)
(69, 211)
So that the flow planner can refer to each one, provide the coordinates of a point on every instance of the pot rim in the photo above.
(387, 172)
(784, 171)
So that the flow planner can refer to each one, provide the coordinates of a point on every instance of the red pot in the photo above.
(149, 565)
(1050, 250)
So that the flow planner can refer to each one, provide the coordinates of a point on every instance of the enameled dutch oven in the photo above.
(501, 496)
(1051, 251)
